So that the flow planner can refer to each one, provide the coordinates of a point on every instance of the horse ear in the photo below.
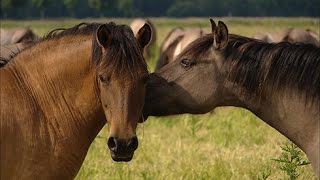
(103, 36)
(221, 36)
(213, 26)
(144, 35)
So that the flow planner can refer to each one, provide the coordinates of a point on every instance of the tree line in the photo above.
(154, 8)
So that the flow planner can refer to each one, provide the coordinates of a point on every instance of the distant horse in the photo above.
(292, 35)
(136, 24)
(58, 94)
(16, 35)
(280, 83)
(174, 44)
(7, 52)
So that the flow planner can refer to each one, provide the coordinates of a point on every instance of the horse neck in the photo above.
(61, 77)
(289, 112)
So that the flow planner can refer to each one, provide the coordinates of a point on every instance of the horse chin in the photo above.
(121, 158)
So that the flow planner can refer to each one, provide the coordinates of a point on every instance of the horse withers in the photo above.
(280, 83)
(59, 93)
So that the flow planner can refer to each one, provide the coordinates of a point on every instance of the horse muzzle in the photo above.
(121, 149)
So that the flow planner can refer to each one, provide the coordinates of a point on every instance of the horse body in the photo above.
(171, 37)
(175, 42)
(277, 82)
(303, 36)
(292, 35)
(16, 35)
(189, 36)
(46, 132)
(53, 105)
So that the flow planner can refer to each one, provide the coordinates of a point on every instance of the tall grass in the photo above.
(227, 143)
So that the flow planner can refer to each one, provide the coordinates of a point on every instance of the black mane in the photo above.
(254, 64)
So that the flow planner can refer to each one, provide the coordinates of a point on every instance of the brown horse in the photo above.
(280, 83)
(136, 24)
(292, 35)
(7, 52)
(175, 42)
(57, 95)
(16, 35)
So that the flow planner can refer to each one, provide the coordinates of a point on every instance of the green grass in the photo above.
(227, 143)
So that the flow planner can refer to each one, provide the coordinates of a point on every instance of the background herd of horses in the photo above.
(189, 58)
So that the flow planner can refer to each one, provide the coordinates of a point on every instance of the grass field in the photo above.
(227, 143)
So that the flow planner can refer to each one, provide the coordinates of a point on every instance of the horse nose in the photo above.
(118, 145)
(133, 143)
(112, 144)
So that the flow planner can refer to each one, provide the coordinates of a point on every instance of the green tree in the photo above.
(126, 7)
(102, 6)
(6, 5)
(184, 8)
(42, 5)
(70, 4)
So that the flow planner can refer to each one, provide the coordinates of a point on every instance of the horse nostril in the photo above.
(112, 143)
(133, 143)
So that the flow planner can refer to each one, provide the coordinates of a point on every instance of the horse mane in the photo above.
(82, 28)
(123, 42)
(255, 64)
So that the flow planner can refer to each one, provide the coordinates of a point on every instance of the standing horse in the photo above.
(175, 42)
(280, 83)
(292, 35)
(16, 35)
(57, 95)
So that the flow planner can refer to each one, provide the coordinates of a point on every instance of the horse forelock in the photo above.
(255, 64)
(123, 55)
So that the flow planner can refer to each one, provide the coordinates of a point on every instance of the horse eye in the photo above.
(104, 79)
(186, 63)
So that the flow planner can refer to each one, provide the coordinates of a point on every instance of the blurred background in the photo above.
(171, 8)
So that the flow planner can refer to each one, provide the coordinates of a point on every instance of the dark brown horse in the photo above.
(280, 83)
(58, 94)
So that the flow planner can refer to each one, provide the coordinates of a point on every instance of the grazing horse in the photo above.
(16, 35)
(135, 25)
(292, 35)
(175, 42)
(7, 52)
(280, 83)
(58, 94)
